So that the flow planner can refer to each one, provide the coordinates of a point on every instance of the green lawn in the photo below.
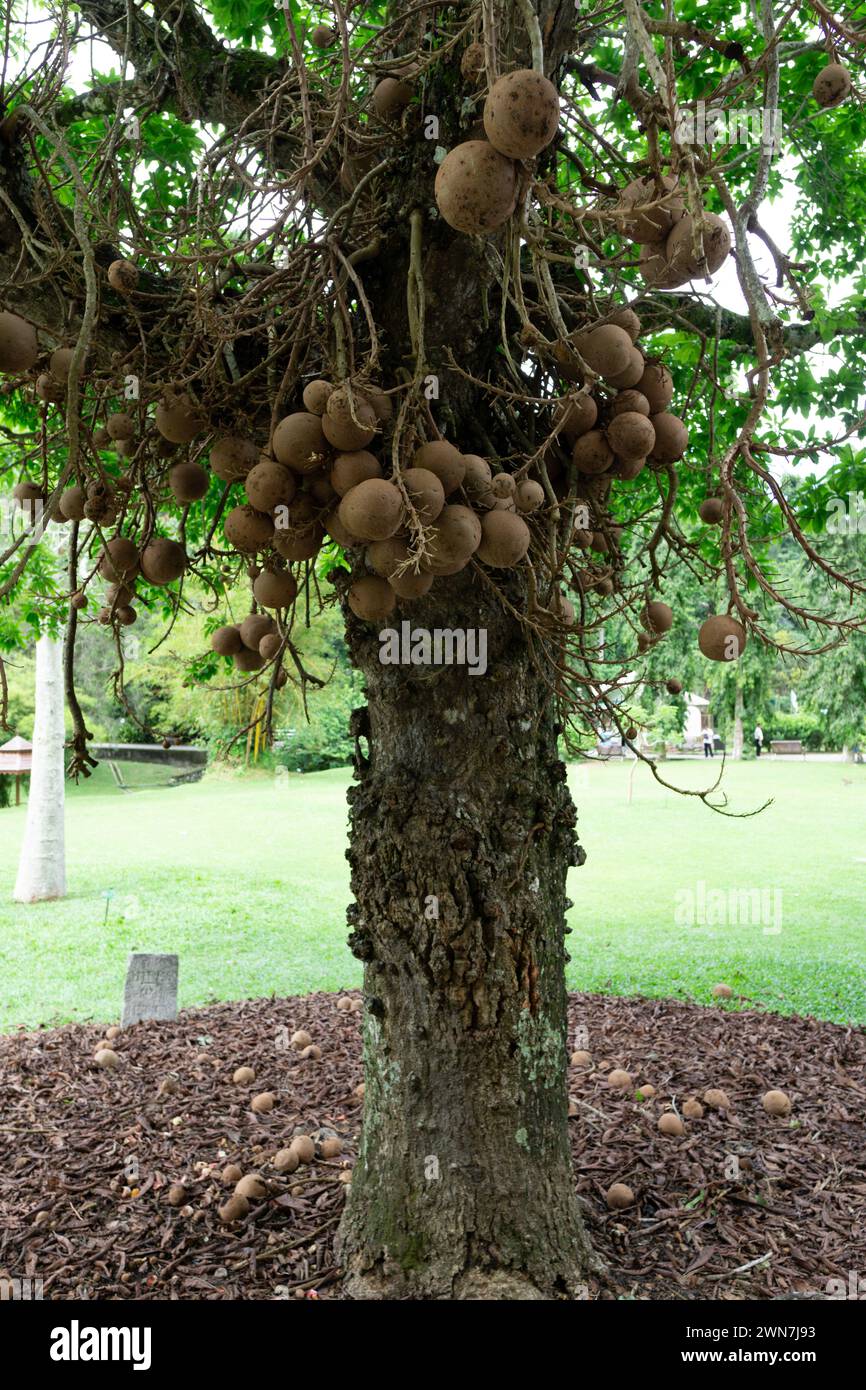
(247, 880)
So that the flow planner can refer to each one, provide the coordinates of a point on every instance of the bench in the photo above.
(792, 746)
(604, 751)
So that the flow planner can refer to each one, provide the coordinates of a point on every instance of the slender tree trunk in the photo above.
(462, 834)
(737, 750)
(42, 867)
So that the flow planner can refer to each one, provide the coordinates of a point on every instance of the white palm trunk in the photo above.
(42, 867)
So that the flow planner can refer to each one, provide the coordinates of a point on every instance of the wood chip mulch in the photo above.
(743, 1206)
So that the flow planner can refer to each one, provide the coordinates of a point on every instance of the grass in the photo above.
(247, 880)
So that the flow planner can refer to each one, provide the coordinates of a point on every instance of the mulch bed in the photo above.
(87, 1156)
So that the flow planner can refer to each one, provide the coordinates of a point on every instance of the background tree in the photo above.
(249, 210)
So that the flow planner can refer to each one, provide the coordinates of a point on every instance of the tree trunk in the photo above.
(462, 834)
(42, 867)
(737, 750)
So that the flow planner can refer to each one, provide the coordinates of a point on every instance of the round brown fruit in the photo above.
(252, 1186)
(226, 641)
(60, 363)
(299, 442)
(576, 415)
(632, 402)
(178, 420)
(384, 557)
(454, 539)
(683, 263)
(119, 560)
(78, 600)
(619, 1080)
(176, 1194)
(300, 1038)
(275, 589)
(529, 496)
(627, 319)
(476, 188)
(716, 1099)
(232, 458)
(390, 98)
(674, 687)
(231, 1174)
(248, 661)
(722, 992)
(831, 86)
(248, 530)
(311, 1053)
(301, 544)
(581, 1058)
(286, 1160)
(19, 348)
(107, 1059)
(607, 350)
(254, 627)
(188, 482)
(381, 403)
(657, 616)
(653, 266)
(349, 422)
(444, 460)
(338, 532)
(657, 385)
(477, 477)
(270, 646)
(711, 510)
(263, 1103)
(521, 114)
(163, 561)
(722, 638)
(776, 1103)
(303, 1146)
(618, 1197)
(411, 584)
(672, 437)
(654, 224)
(322, 36)
(120, 425)
(48, 389)
(472, 62)
(269, 485)
(692, 1109)
(371, 599)
(630, 435)
(425, 492)
(122, 276)
(372, 511)
(353, 468)
(671, 1124)
(592, 454)
(235, 1209)
(631, 374)
(71, 504)
(315, 396)
(125, 615)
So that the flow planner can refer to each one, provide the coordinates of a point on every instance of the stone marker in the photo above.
(151, 988)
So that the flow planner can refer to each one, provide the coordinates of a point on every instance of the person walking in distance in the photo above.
(709, 750)
(759, 739)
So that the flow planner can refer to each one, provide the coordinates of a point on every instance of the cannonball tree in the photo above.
(416, 309)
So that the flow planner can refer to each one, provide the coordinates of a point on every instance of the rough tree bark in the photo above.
(462, 835)
(42, 866)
